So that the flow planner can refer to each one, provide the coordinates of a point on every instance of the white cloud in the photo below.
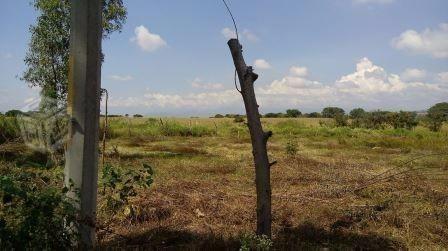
(251, 37)
(229, 33)
(299, 71)
(443, 77)
(262, 64)
(432, 42)
(146, 40)
(369, 79)
(197, 83)
(413, 74)
(373, 1)
(204, 100)
(369, 86)
(121, 78)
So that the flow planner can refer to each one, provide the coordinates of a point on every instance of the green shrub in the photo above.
(238, 119)
(36, 214)
(255, 242)
(340, 120)
(402, 119)
(117, 185)
(9, 129)
(291, 148)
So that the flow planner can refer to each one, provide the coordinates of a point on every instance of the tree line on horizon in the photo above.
(434, 118)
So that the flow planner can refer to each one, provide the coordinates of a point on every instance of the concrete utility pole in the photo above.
(83, 108)
(259, 139)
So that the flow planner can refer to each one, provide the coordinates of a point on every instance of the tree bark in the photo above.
(259, 139)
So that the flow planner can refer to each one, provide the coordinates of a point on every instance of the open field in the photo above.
(333, 187)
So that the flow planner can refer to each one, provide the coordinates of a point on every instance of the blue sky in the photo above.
(172, 58)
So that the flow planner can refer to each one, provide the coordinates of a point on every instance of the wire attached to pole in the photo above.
(233, 19)
(237, 38)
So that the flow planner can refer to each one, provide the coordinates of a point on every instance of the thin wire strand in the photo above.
(233, 19)
(237, 38)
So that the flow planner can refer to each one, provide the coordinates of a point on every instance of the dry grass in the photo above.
(328, 195)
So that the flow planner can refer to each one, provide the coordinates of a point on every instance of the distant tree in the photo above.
(293, 113)
(48, 53)
(219, 116)
(271, 115)
(313, 115)
(331, 112)
(376, 119)
(357, 113)
(437, 114)
(138, 116)
(231, 115)
(402, 119)
(126, 115)
(238, 119)
(13, 113)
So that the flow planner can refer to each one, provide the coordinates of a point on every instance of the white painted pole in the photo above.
(83, 107)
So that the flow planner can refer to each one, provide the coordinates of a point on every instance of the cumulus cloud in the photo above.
(229, 33)
(373, 1)
(413, 74)
(203, 100)
(433, 42)
(197, 83)
(369, 85)
(443, 77)
(250, 36)
(146, 40)
(299, 71)
(369, 79)
(262, 64)
(121, 78)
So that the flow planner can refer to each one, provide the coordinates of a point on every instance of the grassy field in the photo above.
(334, 187)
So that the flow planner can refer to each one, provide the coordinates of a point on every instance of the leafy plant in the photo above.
(291, 148)
(255, 242)
(9, 129)
(238, 119)
(119, 186)
(35, 214)
(340, 120)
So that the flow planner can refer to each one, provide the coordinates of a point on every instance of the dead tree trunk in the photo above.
(259, 139)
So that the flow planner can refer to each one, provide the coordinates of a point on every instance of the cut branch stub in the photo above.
(259, 139)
